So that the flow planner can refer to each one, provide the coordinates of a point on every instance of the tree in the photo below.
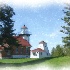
(7, 23)
(66, 29)
(57, 52)
(0, 34)
(66, 51)
(53, 52)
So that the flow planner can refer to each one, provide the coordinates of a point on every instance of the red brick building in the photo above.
(22, 51)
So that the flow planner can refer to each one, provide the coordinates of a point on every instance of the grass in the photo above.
(58, 62)
(16, 60)
(35, 64)
(55, 62)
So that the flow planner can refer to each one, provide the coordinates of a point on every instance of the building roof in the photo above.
(22, 41)
(42, 42)
(24, 27)
(38, 50)
(1, 48)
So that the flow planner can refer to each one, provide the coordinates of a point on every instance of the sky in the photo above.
(42, 17)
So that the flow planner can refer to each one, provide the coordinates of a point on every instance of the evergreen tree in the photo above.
(7, 23)
(66, 29)
(66, 51)
(57, 52)
(0, 34)
(53, 52)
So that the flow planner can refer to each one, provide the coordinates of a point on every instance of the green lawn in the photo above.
(16, 60)
(56, 62)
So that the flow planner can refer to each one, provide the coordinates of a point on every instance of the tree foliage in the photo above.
(57, 52)
(66, 30)
(53, 52)
(6, 25)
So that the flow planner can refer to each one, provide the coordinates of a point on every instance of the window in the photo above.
(47, 53)
(34, 53)
(27, 50)
(16, 49)
(22, 49)
(41, 53)
(45, 46)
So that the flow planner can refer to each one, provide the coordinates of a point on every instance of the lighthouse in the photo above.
(25, 33)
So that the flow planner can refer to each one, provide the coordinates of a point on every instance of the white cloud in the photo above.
(33, 3)
(54, 34)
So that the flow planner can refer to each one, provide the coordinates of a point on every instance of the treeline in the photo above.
(59, 51)
(65, 49)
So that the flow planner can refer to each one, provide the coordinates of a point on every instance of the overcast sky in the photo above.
(42, 17)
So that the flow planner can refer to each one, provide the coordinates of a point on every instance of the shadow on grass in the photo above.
(32, 62)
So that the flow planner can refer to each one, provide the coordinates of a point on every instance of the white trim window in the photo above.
(22, 49)
(27, 50)
(34, 53)
(41, 53)
(16, 50)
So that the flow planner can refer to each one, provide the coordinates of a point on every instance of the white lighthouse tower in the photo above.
(25, 33)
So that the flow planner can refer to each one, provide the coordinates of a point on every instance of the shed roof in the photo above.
(38, 50)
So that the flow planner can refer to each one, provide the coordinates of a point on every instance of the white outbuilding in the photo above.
(41, 51)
